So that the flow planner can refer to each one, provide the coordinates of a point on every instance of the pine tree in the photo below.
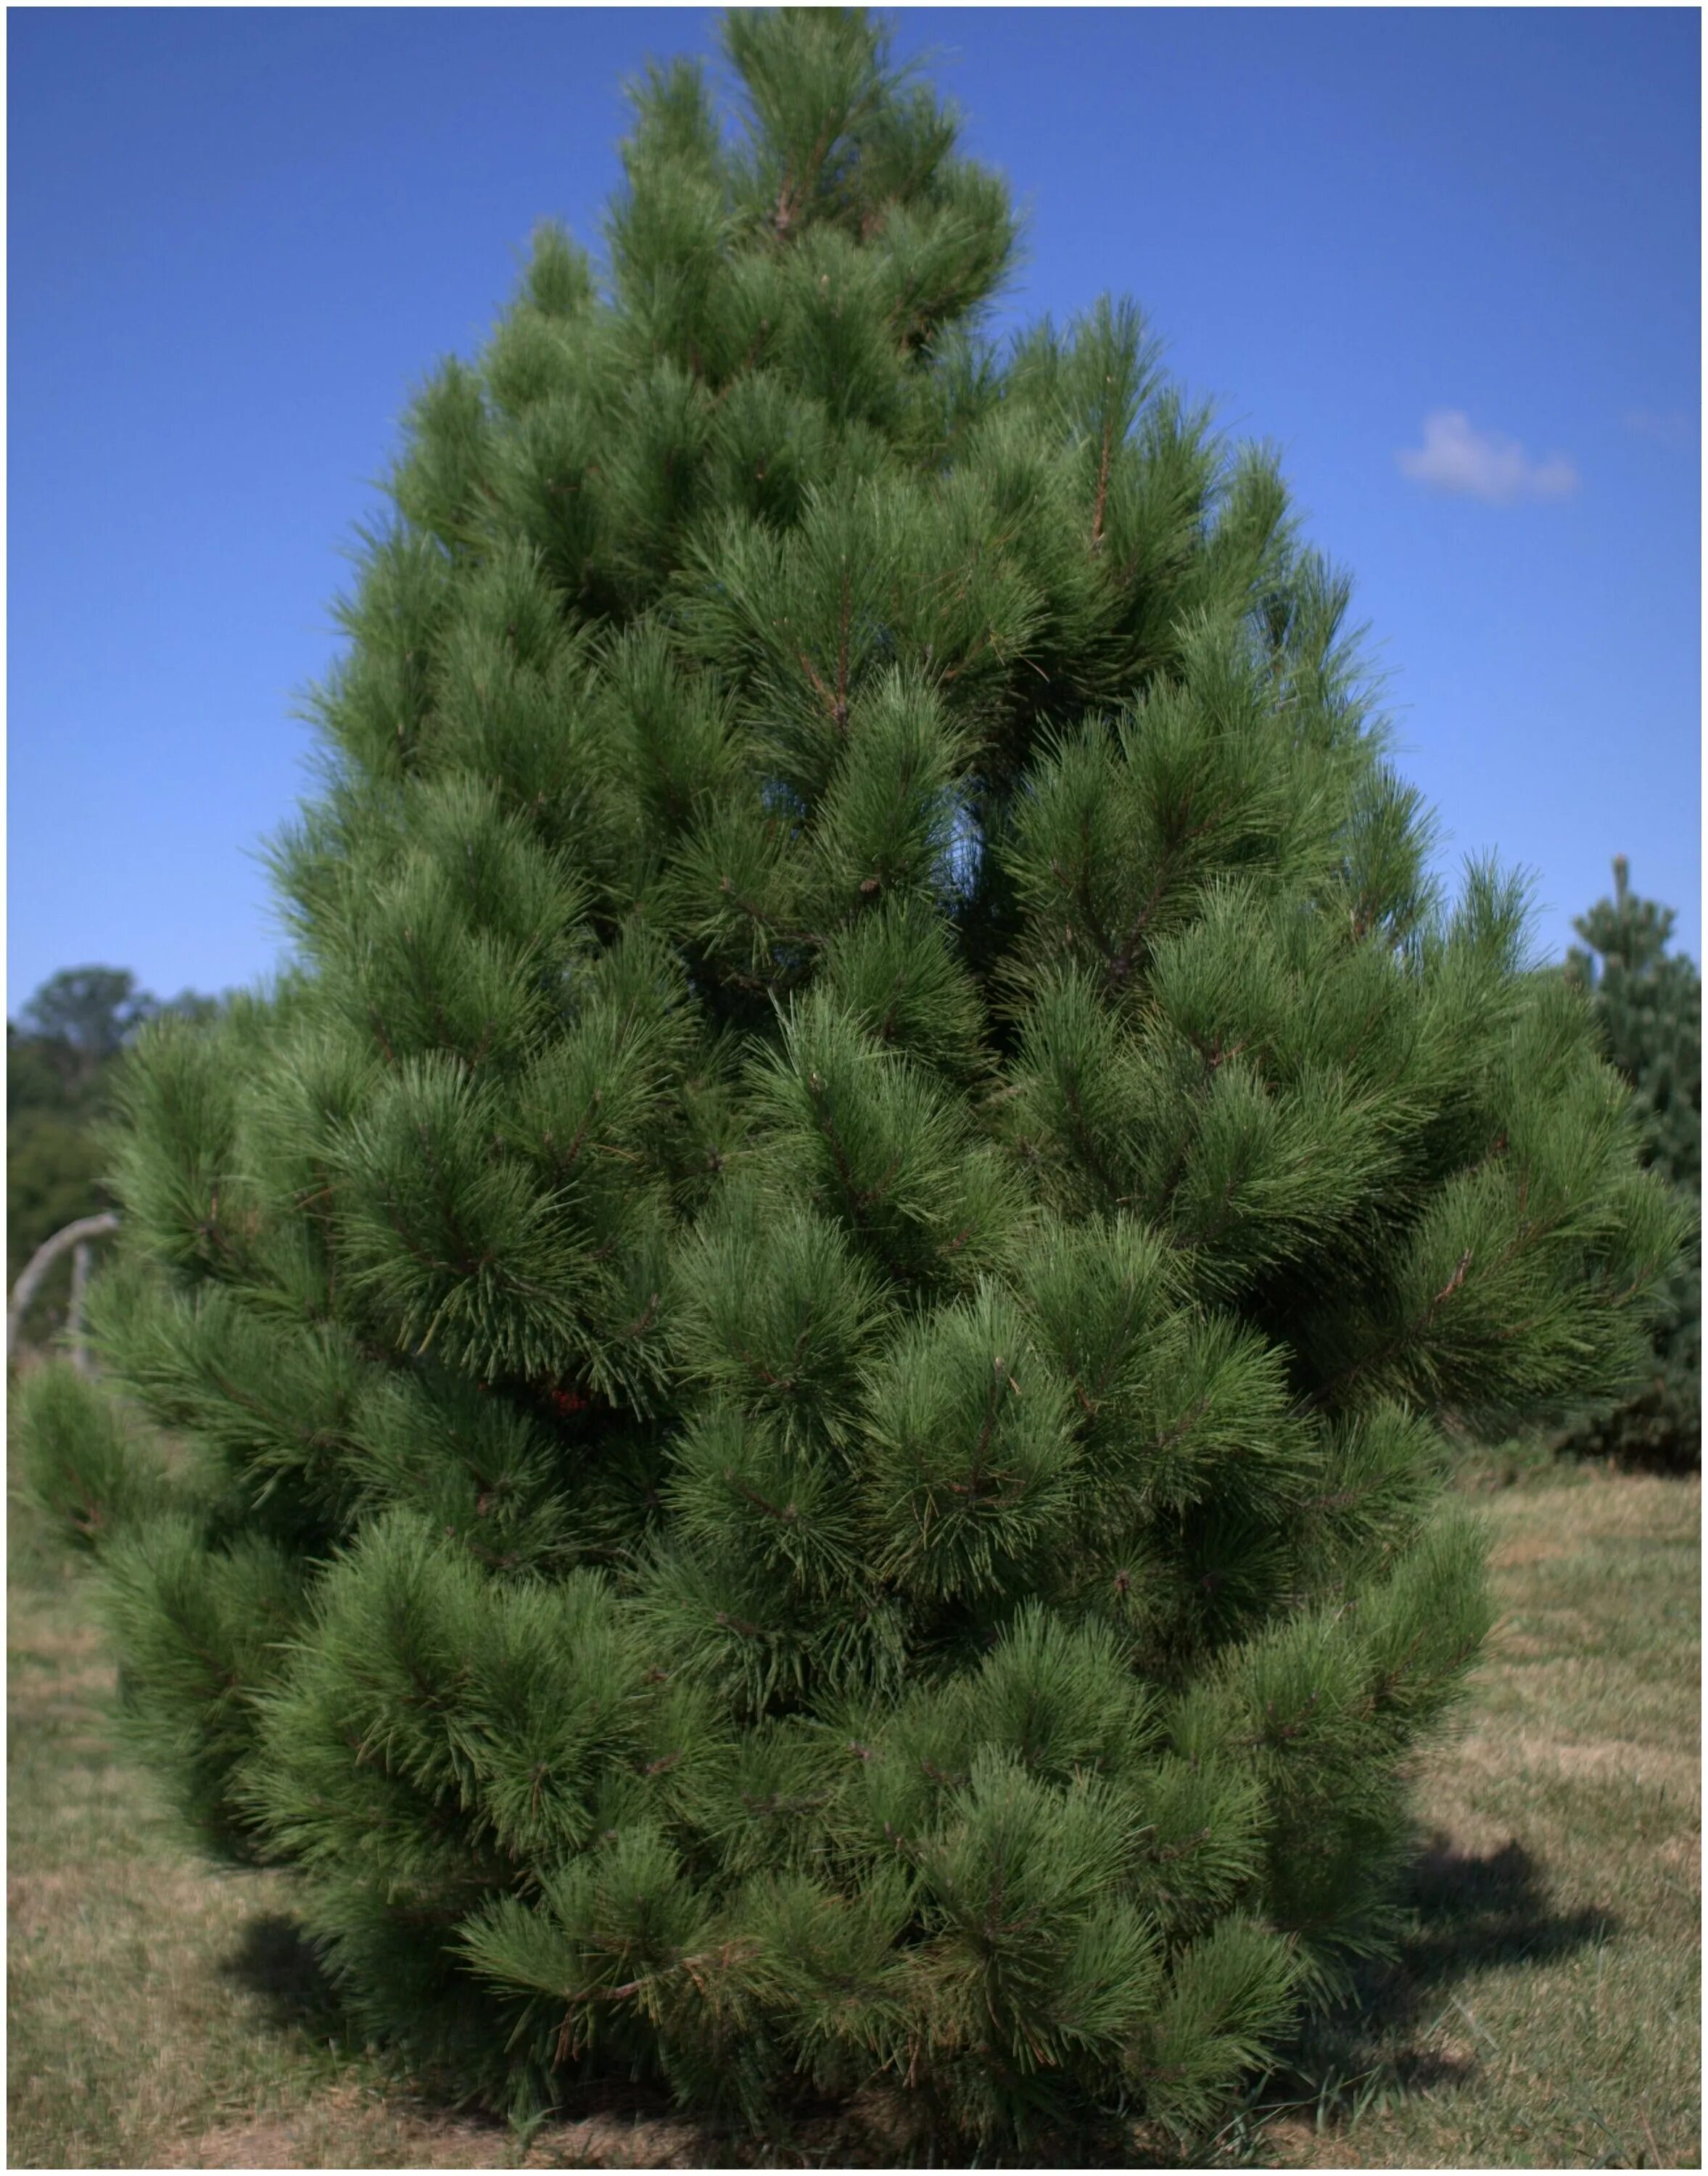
(806, 1334)
(1649, 1005)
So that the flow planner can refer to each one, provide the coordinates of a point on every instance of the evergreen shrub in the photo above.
(806, 1336)
(1648, 1003)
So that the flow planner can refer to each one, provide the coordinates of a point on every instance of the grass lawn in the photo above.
(1546, 2010)
(1544, 2013)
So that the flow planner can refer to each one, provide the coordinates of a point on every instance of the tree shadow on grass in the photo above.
(1467, 1912)
(280, 1967)
(1474, 1911)
(277, 1963)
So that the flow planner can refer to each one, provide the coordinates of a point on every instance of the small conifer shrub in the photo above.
(1648, 1002)
(806, 1333)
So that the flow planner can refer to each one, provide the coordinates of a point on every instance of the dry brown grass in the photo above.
(1544, 2011)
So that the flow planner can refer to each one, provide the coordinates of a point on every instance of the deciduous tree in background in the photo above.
(808, 1334)
(60, 1054)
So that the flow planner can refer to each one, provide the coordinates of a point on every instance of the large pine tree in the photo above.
(806, 1335)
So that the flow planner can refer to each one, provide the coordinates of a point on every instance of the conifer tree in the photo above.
(1649, 1004)
(807, 1332)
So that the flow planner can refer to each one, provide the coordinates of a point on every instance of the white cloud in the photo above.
(1671, 428)
(1482, 464)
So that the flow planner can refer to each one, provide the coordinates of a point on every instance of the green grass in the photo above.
(1544, 2011)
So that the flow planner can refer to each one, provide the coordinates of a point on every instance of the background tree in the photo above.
(1648, 1003)
(806, 1336)
(88, 1013)
(59, 1059)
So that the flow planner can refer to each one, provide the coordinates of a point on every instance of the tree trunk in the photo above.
(81, 1255)
(77, 1235)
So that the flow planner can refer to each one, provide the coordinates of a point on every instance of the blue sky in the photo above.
(1448, 260)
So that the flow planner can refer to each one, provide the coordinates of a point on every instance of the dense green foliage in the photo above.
(1649, 1005)
(806, 1339)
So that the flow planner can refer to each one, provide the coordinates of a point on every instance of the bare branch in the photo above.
(42, 1260)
